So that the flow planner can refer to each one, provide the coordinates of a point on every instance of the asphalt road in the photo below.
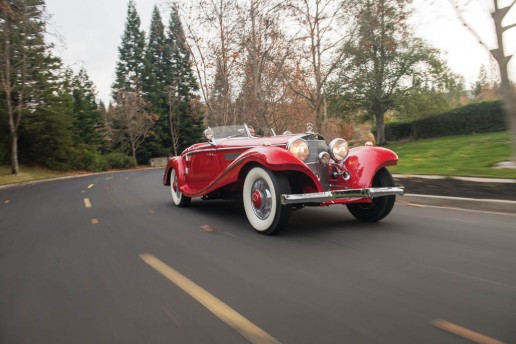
(109, 259)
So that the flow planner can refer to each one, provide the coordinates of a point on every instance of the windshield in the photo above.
(234, 131)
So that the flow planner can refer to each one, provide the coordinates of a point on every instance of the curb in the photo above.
(493, 205)
(466, 179)
(37, 181)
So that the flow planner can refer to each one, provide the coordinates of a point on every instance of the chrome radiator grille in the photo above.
(316, 147)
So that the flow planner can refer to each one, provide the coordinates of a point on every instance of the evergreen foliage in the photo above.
(89, 123)
(181, 86)
(157, 61)
(38, 118)
(130, 65)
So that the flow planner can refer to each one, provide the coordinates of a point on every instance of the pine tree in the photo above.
(89, 123)
(183, 116)
(130, 65)
(27, 69)
(157, 56)
(47, 128)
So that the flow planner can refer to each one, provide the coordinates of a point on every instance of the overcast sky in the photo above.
(88, 34)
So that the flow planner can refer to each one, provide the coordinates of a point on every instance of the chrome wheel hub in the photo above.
(261, 199)
(175, 187)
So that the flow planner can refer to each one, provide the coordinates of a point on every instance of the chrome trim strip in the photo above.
(230, 148)
(319, 197)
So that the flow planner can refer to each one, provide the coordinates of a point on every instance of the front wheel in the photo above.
(379, 207)
(177, 196)
(262, 200)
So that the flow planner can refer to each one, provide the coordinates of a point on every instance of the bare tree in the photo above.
(213, 38)
(502, 57)
(266, 49)
(174, 118)
(133, 123)
(322, 36)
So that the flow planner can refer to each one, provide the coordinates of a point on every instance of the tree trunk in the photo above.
(15, 169)
(509, 106)
(133, 148)
(380, 128)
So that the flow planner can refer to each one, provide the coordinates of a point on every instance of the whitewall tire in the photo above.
(262, 200)
(177, 196)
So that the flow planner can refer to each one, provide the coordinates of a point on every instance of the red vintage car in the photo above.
(278, 173)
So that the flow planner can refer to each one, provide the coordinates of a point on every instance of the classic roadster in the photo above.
(276, 174)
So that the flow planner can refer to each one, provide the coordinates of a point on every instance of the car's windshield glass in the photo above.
(234, 131)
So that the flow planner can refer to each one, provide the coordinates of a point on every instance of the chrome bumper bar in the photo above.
(320, 197)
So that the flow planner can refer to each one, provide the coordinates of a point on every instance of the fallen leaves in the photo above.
(208, 228)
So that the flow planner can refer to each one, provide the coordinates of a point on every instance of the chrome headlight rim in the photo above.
(208, 134)
(324, 158)
(335, 147)
(294, 142)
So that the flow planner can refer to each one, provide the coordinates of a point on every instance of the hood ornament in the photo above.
(309, 128)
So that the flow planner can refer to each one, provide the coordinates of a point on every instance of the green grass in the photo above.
(26, 174)
(465, 155)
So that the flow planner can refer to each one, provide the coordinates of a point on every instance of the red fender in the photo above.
(177, 163)
(363, 163)
(272, 158)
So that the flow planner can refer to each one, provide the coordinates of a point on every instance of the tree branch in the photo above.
(467, 26)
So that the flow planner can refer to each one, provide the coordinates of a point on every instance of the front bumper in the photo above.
(321, 197)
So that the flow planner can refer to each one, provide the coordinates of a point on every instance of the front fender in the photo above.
(272, 158)
(177, 164)
(363, 163)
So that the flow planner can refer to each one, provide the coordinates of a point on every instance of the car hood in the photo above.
(278, 141)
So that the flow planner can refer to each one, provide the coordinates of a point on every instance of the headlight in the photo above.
(298, 148)
(339, 149)
(208, 134)
(324, 158)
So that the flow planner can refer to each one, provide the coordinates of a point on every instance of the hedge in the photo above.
(473, 118)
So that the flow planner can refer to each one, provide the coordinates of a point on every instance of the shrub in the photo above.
(118, 160)
(473, 118)
(87, 159)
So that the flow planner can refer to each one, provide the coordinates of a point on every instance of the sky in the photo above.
(87, 34)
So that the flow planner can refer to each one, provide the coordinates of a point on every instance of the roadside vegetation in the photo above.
(28, 174)
(466, 155)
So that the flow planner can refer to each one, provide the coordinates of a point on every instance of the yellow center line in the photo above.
(90, 186)
(465, 333)
(87, 203)
(94, 221)
(232, 318)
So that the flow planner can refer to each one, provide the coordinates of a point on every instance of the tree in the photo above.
(266, 50)
(88, 118)
(47, 131)
(133, 123)
(502, 57)
(385, 63)
(184, 117)
(323, 35)
(156, 73)
(215, 50)
(24, 64)
(130, 65)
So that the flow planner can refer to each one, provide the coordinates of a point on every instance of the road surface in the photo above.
(108, 259)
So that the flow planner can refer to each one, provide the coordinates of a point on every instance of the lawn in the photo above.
(465, 155)
(26, 174)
